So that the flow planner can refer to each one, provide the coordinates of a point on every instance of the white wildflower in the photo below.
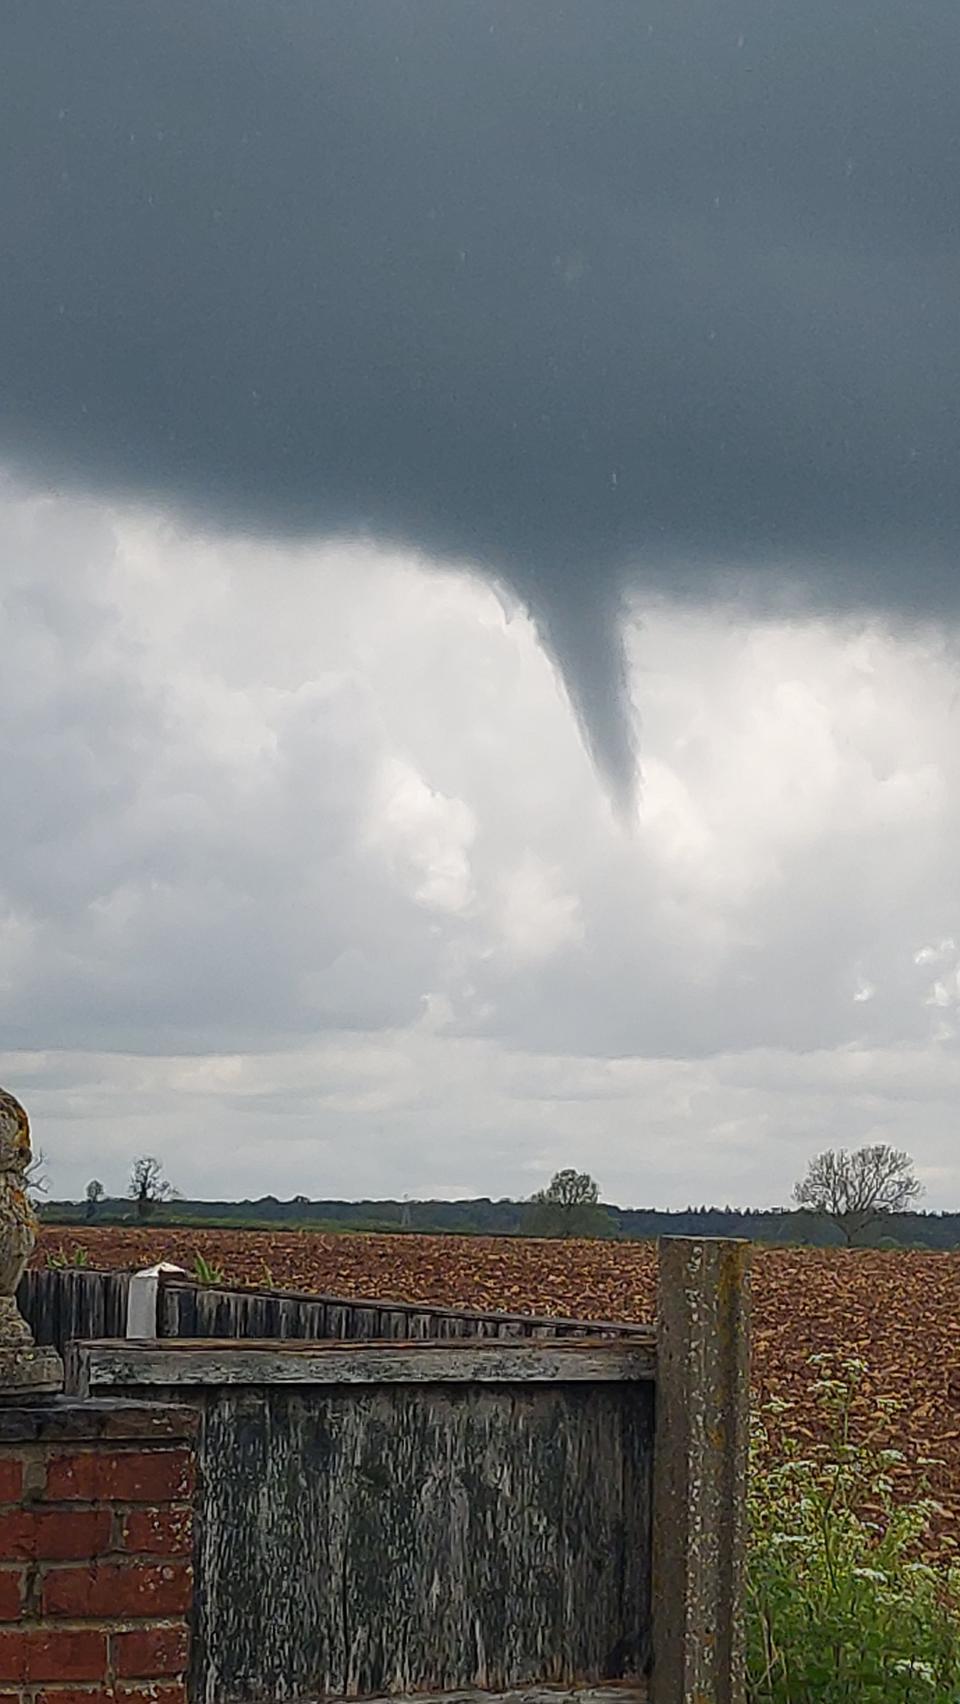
(916, 1670)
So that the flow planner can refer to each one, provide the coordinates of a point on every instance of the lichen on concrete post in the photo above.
(700, 1472)
(25, 1369)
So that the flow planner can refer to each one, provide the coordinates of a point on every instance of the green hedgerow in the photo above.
(841, 1604)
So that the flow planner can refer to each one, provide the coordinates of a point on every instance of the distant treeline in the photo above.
(483, 1217)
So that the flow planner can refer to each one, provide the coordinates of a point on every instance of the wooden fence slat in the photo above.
(64, 1304)
(60, 1304)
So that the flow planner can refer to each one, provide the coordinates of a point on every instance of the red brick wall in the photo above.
(95, 1558)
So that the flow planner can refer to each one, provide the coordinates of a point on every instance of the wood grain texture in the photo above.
(62, 1305)
(212, 1363)
(421, 1539)
(189, 1310)
(69, 1304)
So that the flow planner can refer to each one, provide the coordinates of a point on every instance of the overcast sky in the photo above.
(478, 576)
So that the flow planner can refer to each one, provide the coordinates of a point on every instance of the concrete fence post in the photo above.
(142, 1300)
(700, 1472)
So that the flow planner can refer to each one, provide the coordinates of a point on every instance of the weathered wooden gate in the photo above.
(378, 1519)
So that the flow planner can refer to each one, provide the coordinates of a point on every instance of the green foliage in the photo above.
(483, 1217)
(76, 1256)
(841, 1604)
(94, 1196)
(204, 1272)
(568, 1207)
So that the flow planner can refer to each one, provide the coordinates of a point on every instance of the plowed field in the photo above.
(898, 1311)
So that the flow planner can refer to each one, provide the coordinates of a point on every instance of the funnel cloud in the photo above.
(590, 297)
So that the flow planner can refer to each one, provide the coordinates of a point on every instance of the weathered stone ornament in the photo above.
(25, 1369)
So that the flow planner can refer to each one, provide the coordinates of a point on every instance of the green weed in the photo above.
(842, 1605)
(204, 1272)
(64, 1258)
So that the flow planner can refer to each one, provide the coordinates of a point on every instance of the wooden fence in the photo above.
(378, 1519)
(64, 1304)
(60, 1305)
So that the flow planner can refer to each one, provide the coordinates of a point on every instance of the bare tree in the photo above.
(35, 1178)
(855, 1191)
(148, 1186)
(568, 1207)
(95, 1194)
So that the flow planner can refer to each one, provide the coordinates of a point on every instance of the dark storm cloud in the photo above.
(583, 291)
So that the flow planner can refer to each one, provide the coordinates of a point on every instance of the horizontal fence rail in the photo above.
(206, 1362)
